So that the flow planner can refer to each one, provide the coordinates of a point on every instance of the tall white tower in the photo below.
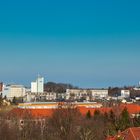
(38, 85)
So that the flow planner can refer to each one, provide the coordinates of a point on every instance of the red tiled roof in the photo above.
(84, 110)
(48, 112)
(110, 138)
(132, 109)
(31, 112)
(129, 134)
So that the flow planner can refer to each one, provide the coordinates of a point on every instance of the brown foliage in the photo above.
(64, 122)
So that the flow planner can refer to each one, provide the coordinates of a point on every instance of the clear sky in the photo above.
(88, 43)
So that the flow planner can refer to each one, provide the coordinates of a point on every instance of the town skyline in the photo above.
(87, 44)
(69, 69)
(28, 85)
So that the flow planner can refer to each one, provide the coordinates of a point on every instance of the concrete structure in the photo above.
(45, 96)
(100, 93)
(11, 91)
(34, 87)
(50, 95)
(125, 93)
(17, 91)
(86, 94)
(38, 85)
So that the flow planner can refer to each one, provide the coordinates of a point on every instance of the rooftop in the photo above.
(129, 134)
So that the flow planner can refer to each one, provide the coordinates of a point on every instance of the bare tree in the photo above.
(63, 124)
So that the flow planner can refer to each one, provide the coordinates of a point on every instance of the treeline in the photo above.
(66, 123)
(57, 87)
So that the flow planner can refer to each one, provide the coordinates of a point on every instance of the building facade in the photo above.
(125, 93)
(86, 94)
(11, 91)
(45, 96)
(38, 85)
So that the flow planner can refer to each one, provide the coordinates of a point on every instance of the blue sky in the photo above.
(92, 43)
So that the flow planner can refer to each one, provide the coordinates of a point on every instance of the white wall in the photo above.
(95, 93)
(34, 87)
(125, 93)
(14, 91)
(100, 93)
(38, 85)
(17, 91)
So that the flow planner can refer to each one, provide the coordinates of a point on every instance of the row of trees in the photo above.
(57, 87)
(66, 123)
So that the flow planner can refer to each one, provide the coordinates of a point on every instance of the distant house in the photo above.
(125, 93)
(86, 94)
(129, 134)
(45, 96)
(135, 94)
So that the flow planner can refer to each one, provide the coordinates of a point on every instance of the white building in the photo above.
(12, 91)
(87, 94)
(38, 85)
(50, 95)
(100, 93)
(125, 93)
(33, 87)
(136, 88)
(6, 90)
(46, 96)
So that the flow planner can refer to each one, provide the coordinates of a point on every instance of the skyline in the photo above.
(87, 44)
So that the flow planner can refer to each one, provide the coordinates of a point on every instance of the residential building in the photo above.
(129, 134)
(45, 96)
(11, 91)
(86, 94)
(125, 93)
(50, 96)
(100, 93)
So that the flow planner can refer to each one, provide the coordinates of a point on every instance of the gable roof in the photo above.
(132, 108)
(132, 133)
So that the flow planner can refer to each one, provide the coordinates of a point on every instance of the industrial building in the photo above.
(38, 85)
(11, 91)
